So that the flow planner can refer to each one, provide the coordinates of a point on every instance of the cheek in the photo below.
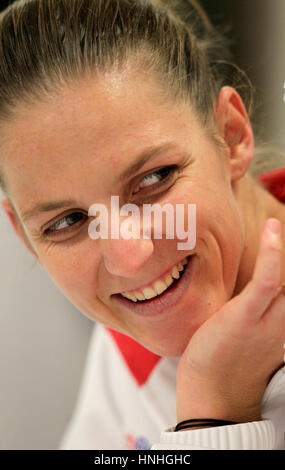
(220, 229)
(73, 269)
(220, 240)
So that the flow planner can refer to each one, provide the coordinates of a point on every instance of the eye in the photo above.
(65, 224)
(155, 178)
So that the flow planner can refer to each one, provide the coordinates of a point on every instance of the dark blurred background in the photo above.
(41, 333)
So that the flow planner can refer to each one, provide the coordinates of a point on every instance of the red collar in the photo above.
(140, 360)
(274, 182)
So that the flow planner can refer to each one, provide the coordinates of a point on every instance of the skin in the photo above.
(74, 147)
(226, 377)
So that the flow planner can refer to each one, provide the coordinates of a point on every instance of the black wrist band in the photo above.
(189, 423)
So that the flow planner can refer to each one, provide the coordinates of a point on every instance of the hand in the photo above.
(230, 359)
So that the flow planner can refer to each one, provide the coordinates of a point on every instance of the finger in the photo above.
(268, 263)
(260, 291)
(276, 313)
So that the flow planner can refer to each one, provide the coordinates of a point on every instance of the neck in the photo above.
(256, 205)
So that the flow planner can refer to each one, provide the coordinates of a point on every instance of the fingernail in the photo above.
(274, 226)
(282, 290)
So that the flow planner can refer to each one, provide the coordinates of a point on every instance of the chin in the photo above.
(166, 347)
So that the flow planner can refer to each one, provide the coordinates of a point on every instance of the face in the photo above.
(76, 148)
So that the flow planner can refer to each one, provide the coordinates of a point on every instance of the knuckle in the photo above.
(266, 286)
(278, 248)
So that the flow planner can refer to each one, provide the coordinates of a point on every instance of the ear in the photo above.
(235, 130)
(17, 226)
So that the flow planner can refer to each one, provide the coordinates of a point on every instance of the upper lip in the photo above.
(142, 286)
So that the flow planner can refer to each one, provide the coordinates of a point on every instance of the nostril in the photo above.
(126, 258)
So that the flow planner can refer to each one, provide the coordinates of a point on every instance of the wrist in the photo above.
(201, 423)
(238, 416)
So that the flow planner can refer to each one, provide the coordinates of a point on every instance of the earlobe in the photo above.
(17, 226)
(235, 129)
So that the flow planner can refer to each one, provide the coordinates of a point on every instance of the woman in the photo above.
(124, 98)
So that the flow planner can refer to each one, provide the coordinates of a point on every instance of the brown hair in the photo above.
(44, 44)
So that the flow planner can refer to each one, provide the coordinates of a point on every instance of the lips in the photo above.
(166, 300)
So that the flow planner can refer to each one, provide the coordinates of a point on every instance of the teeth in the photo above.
(169, 280)
(139, 295)
(159, 286)
(130, 297)
(148, 292)
(175, 273)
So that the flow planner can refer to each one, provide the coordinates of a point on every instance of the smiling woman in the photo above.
(128, 98)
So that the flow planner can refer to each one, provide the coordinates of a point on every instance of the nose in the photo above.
(126, 257)
(123, 255)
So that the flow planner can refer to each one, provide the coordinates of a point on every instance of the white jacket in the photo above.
(127, 396)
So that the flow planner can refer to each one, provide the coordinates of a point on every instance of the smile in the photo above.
(175, 283)
(158, 286)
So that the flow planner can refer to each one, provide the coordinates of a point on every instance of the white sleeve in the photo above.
(256, 435)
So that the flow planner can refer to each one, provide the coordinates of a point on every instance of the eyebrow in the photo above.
(46, 207)
(146, 155)
(142, 158)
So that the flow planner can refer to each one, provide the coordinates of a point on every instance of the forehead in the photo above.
(92, 127)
